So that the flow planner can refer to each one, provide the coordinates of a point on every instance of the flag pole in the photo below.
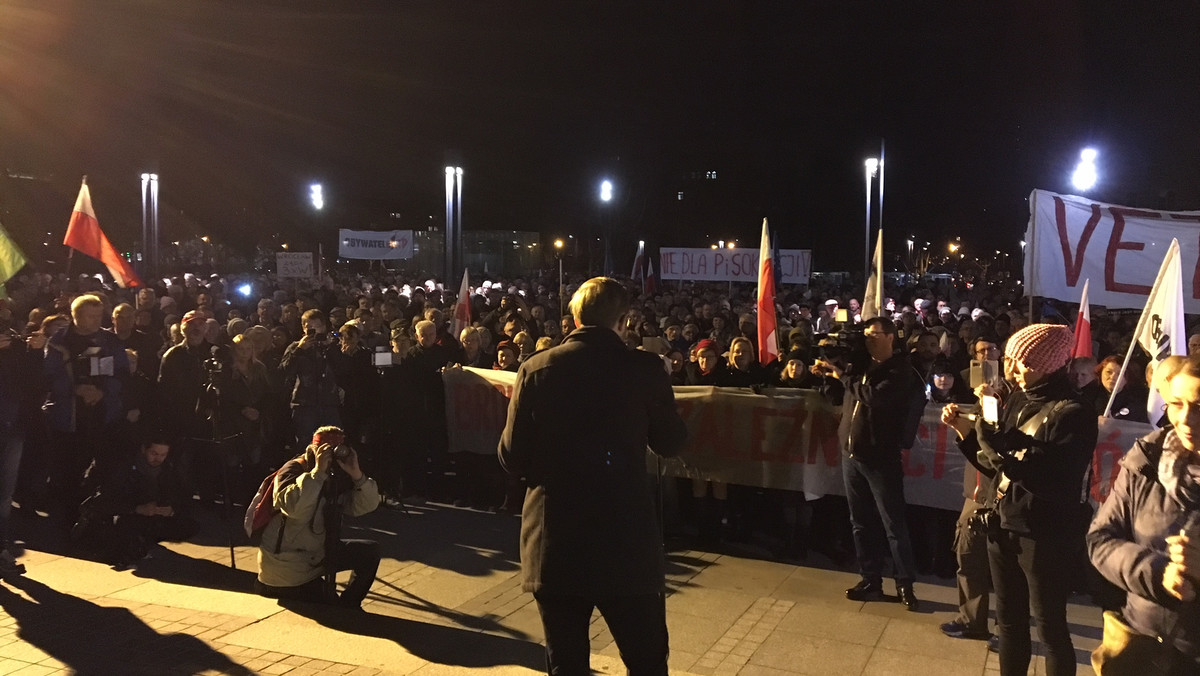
(1029, 257)
(1154, 291)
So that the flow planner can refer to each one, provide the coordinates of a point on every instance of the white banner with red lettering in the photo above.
(731, 265)
(780, 439)
(1070, 239)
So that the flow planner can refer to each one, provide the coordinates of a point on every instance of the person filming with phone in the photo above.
(1036, 448)
(311, 379)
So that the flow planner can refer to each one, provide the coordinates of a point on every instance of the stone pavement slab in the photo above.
(448, 601)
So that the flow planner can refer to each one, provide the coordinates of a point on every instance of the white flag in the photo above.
(1160, 330)
(873, 298)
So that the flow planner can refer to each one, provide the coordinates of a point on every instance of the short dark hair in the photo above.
(881, 324)
(600, 301)
(310, 315)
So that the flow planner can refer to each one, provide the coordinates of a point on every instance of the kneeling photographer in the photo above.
(301, 548)
(1037, 447)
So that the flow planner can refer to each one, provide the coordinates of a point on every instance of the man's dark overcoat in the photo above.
(579, 421)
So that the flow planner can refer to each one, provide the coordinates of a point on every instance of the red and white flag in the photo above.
(462, 308)
(651, 284)
(1083, 327)
(638, 258)
(85, 236)
(768, 343)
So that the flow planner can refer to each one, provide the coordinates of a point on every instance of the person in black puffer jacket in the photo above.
(1038, 456)
(1135, 539)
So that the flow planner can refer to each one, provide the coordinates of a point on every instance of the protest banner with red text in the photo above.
(784, 439)
(1071, 239)
(731, 265)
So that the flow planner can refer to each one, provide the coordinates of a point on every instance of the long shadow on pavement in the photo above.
(93, 639)
(431, 642)
(175, 568)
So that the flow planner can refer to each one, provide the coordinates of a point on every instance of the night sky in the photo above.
(240, 105)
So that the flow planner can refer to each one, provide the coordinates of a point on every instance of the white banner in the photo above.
(1070, 239)
(781, 439)
(297, 265)
(731, 265)
(391, 245)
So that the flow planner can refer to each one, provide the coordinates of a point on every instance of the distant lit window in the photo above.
(679, 196)
(710, 175)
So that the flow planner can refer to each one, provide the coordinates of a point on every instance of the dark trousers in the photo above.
(361, 557)
(638, 624)
(974, 573)
(875, 492)
(1032, 577)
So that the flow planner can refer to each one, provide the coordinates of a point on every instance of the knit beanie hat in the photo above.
(1042, 347)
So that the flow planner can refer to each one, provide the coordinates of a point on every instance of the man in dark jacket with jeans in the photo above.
(580, 419)
(877, 423)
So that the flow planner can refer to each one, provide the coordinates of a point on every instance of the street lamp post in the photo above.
(606, 195)
(558, 252)
(150, 223)
(454, 177)
(872, 165)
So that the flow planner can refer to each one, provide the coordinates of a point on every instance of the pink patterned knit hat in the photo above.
(1042, 347)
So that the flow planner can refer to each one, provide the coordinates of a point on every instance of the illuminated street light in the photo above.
(714, 246)
(606, 191)
(872, 165)
(953, 247)
(316, 195)
(1085, 172)
(731, 245)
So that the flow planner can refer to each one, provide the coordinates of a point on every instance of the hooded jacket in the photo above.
(1127, 545)
(299, 497)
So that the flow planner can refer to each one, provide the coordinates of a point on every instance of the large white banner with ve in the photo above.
(1070, 239)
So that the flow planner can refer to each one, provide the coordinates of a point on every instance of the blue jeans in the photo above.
(12, 442)
(875, 492)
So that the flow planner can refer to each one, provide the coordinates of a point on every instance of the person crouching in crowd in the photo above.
(301, 545)
(135, 507)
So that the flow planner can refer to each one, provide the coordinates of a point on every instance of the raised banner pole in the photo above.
(1029, 245)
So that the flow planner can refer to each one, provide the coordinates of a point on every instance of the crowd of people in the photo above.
(126, 408)
(285, 360)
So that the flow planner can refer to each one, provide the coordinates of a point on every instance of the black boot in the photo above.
(866, 590)
(905, 591)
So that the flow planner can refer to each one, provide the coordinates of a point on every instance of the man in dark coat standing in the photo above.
(580, 419)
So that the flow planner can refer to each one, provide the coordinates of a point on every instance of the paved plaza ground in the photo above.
(447, 601)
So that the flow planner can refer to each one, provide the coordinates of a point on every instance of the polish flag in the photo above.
(462, 308)
(638, 274)
(768, 344)
(651, 283)
(1083, 327)
(84, 235)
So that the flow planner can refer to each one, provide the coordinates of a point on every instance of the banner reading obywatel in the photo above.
(390, 245)
(731, 265)
(1070, 239)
